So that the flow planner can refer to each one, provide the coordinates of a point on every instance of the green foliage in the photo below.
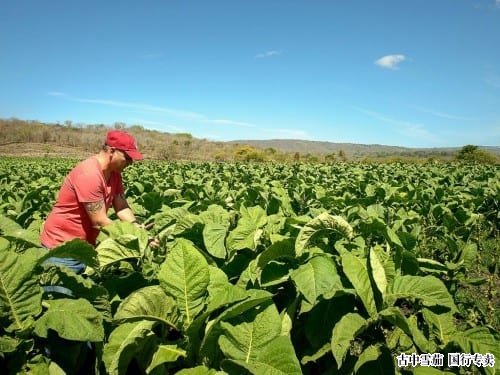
(261, 268)
(471, 153)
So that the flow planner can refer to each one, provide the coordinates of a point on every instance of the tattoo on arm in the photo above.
(93, 207)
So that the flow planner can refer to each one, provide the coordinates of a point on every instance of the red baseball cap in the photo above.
(123, 141)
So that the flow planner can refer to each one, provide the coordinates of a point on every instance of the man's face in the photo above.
(120, 160)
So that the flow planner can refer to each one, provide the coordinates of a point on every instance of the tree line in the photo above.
(78, 140)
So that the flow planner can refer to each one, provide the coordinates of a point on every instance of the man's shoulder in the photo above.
(88, 167)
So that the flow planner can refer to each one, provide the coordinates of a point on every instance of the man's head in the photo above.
(120, 150)
(123, 141)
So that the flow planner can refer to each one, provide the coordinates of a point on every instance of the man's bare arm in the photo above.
(97, 213)
(122, 209)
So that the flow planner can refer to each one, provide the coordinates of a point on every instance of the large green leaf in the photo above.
(244, 236)
(429, 289)
(468, 255)
(393, 237)
(319, 322)
(387, 261)
(150, 302)
(184, 220)
(321, 352)
(357, 272)
(199, 370)
(249, 276)
(109, 251)
(8, 344)
(72, 319)
(478, 340)
(322, 224)
(246, 339)
(344, 333)
(442, 325)
(285, 202)
(126, 234)
(396, 317)
(278, 358)
(76, 249)
(247, 233)
(431, 266)
(208, 347)
(215, 214)
(185, 276)
(80, 287)
(14, 232)
(221, 292)
(316, 278)
(256, 215)
(124, 343)
(214, 236)
(378, 272)
(278, 250)
(20, 293)
(165, 354)
(375, 359)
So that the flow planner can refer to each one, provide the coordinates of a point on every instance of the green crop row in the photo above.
(261, 268)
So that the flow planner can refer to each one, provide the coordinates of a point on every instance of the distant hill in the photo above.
(34, 138)
(352, 150)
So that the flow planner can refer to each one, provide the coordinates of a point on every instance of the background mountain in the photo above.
(352, 150)
(34, 138)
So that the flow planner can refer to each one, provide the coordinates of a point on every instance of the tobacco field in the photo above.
(262, 268)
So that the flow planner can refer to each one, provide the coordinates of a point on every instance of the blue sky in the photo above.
(410, 73)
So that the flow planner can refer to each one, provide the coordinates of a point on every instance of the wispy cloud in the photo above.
(187, 115)
(390, 61)
(157, 125)
(443, 114)
(487, 4)
(405, 128)
(211, 137)
(493, 80)
(231, 122)
(267, 54)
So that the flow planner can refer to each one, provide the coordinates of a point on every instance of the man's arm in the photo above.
(122, 209)
(97, 214)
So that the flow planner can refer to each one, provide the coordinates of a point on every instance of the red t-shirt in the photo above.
(68, 219)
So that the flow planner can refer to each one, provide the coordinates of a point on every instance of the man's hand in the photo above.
(153, 242)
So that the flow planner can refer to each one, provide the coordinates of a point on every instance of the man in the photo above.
(88, 191)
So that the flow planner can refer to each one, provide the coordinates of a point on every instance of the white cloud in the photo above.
(267, 54)
(157, 125)
(210, 137)
(493, 80)
(231, 122)
(187, 115)
(405, 128)
(444, 115)
(497, 3)
(390, 61)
